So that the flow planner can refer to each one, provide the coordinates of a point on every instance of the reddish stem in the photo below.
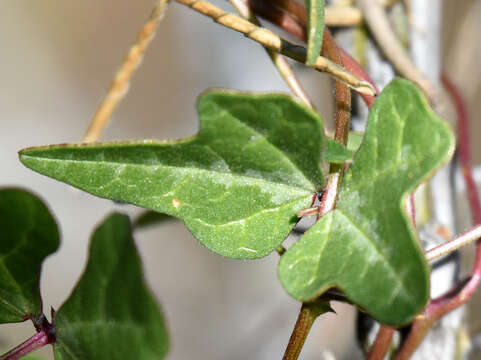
(35, 342)
(439, 307)
(292, 17)
(464, 148)
(381, 345)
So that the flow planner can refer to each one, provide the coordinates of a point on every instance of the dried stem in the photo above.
(296, 25)
(35, 342)
(376, 19)
(121, 81)
(381, 345)
(278, 60)
(276, 43)
(454, 244)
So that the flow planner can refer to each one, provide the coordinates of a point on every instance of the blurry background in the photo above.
(57, 60)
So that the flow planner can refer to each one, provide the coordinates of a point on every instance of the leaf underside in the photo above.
(110, 313)
(367, 247)
(315, 29)
(237, 185)
(28, 234)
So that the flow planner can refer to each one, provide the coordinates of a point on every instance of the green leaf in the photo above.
(149, 218)
(336, 152)
(367, 247)
(28, 234)
(237, 185)
(354, 141)
(315, 26)
(32, 357)
(111, 313)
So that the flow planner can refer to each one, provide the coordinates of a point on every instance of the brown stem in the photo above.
(343, 94)
(381, 345)
(307, 315)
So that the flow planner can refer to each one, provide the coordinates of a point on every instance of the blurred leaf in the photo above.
(336, 152)
(354, 141)
(28, 234)
(149, 218)
(315, 29)
(367, 247)
(32, 357)
(111, 313)
(237, 185)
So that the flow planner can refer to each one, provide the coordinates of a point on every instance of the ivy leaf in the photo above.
(367, 247)
(315, 26)
(237, 185)
(28, 234)
(111, 313)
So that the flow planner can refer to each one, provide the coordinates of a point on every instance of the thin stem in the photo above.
(310, 311)
(454, 244)
(297, 27)
(307, 315)
(376, 19)
(464, 148)
(35, 342)
(276, 43)
(121, 81)
(381, 345)
(343, 95)
(439, 307)
(278, 60)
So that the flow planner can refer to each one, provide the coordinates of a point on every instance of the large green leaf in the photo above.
(367, 246)
(28, 234)
(110, 313)
(315, 29)
(237, 185)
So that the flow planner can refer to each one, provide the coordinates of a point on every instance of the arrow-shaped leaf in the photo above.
(367, 246)
(315, 29)
(237, 185)
(28, 234)
(110, 313)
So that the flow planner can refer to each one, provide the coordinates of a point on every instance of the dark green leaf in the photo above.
(315, 29)
(111, 313)
(367, 246)
(28, 234)
(149, 218)
(336, 152)
(237, 185)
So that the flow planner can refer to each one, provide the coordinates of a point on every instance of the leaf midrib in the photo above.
(276, 149)
(233, 175)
